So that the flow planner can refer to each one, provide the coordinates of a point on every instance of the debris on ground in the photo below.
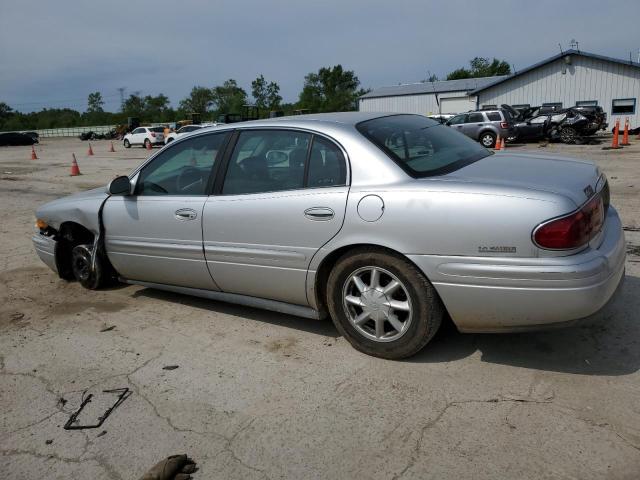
(108, 329)
(123, 394)
(175, 467)
(170, 367)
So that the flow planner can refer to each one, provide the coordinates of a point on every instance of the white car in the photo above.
(143, 136)
(186, 129)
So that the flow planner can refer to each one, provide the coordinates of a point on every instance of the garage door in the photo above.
(457, 104)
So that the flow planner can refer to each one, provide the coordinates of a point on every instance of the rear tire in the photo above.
(81, 267)
(488, 139)
(127, 144)
(399, 297)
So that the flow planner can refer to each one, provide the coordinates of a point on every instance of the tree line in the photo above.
(329, 89)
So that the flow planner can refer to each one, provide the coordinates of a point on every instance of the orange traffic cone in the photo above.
(148, 144)
(614, 141)
(33, 153)
(75, 170)
(111, 149)
(502, 145)
(625, 135)
(90, 151)
(498, 145)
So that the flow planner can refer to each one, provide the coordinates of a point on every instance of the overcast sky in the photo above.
(54, 53)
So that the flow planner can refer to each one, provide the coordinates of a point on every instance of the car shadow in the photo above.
(608, 343)
(319, 327)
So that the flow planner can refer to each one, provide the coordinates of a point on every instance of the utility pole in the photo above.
(121, 90)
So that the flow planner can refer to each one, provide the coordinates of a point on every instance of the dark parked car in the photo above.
(567, 125)
(17, 138)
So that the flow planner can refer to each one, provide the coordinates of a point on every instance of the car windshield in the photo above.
(421, 146)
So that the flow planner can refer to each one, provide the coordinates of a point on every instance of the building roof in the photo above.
(505, 78)
(422, 88)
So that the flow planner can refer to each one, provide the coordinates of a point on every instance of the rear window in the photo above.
(494, 116)
(421, 146)
(157, 129)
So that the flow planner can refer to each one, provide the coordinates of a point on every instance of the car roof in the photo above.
(336, 119)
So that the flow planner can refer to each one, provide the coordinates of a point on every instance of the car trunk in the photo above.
(574, 179)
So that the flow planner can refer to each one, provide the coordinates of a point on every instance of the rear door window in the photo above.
(494, 116)
(267, 161)
(327, 166)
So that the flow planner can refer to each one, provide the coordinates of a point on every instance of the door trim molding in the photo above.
(255, 302)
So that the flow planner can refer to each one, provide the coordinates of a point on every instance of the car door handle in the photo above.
(319, 213)
(186, 214)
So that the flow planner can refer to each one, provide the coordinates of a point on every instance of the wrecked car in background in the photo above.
(567, 125)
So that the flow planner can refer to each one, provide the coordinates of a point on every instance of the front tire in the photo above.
(127, 144)
(81, 267)
(488, 140)
(383, 304)
(568, 135)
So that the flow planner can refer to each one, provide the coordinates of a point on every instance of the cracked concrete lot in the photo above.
(259, 395)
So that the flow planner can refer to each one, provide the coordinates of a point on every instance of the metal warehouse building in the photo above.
(567, 79)
(428, 98)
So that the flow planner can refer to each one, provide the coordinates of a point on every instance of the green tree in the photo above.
(95, 103)
(157, 109)
(134, 106)
(266, 95)
(481, 67)
(229, 97)
(330, 90)
(199, 101)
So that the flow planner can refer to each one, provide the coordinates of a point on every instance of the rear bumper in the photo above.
(485, 294)
(46, 250)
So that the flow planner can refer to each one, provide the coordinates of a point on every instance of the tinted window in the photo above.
(458, 119)
(475, 118)
(267, 161)
(494, 116)
(327, 167)
(157, 129)
(421, 146)
(182, 168)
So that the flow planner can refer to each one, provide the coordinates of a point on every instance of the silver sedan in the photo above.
(385, 223)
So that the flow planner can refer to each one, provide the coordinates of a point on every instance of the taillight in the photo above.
(153, 134)
(504, 125)
(574, 230)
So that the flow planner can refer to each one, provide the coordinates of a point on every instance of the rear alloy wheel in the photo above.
(382, 304)
(147, 143)
(127, 144)
(488, 140)
(568, 135)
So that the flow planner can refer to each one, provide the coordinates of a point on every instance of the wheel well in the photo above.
(69, 235)
(327, 264)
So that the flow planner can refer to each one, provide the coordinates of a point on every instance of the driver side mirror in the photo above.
(120, 186)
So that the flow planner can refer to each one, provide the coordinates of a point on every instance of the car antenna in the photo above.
(433, 85)
(561, 52)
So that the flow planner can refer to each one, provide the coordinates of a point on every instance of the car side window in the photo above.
(475, 117)
(494, 116)
(182, 168)
(457, 120)
(137, 130)
(267, 161)
(327, 167)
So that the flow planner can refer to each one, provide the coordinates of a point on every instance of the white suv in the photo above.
(143, 136)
